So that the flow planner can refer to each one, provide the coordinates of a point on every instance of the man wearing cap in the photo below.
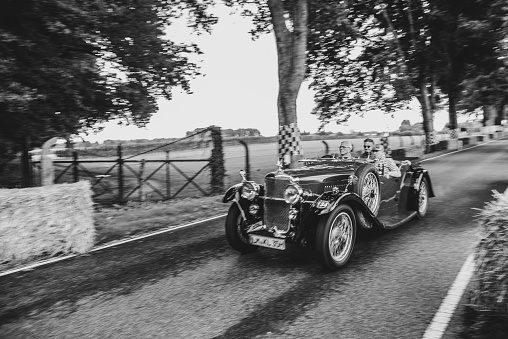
(385, 165)
(345, 149)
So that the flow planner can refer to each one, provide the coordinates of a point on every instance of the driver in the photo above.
(345, 149)
(385, 165)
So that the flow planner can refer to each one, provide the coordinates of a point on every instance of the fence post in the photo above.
(26, 163)
(327, 149)
(47, 166)
(140, 179)
(247, 161)
(168, 183)
(217, 161)
(120, 173)
(75, 166)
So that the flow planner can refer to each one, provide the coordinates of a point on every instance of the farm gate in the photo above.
(187, 167)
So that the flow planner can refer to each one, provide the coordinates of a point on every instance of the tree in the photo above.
(67, 66)
(467, 35)
(392, 65)
(288, 19)
(404, 49)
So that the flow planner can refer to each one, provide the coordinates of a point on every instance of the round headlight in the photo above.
(249, 190)
(292, 194)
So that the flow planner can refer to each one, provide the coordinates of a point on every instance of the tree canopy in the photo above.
(380, 54)
(66, 66)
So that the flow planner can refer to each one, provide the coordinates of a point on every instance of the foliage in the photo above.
(66, 66)
(488, 304)
(380, 54)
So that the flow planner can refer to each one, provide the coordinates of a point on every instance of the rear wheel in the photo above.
(335, 237)
(235, 231)
(368, 188)
(423, 199)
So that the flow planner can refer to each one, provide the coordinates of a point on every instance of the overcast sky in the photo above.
(238, 91)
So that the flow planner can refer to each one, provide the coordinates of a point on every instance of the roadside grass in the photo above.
(121, 221)
(486, 315)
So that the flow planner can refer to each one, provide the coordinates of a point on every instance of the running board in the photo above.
(388, 226)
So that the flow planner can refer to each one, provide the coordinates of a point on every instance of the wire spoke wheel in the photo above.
(236, 235)
(340, 239)
(370, 192)
(423, 198)
(335, 237)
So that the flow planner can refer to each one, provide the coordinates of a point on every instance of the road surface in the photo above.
(190, 284)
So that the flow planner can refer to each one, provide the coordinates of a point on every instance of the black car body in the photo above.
(322, 204)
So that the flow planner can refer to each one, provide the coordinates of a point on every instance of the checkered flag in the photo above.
(289, 140)
(454, 134)
(430, 138)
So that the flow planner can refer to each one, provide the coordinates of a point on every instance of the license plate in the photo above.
(259, 240)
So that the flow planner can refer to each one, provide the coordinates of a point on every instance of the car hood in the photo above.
(313, 175)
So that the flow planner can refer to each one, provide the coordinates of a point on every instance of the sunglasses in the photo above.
(344, 147)
(367, 147)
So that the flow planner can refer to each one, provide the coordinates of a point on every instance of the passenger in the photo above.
(385, 165)
(368, 145)
(345, 149)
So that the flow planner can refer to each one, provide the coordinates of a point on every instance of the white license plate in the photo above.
(259, 240)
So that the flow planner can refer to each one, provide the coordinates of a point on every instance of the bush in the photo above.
(488, 308)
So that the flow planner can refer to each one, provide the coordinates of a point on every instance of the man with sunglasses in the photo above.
(386, 166)
(368, 146)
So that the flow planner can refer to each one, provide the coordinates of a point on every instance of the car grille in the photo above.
(276, 211)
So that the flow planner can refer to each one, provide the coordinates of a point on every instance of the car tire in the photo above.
(235, 232)
(423, 198)
(335, 237)
(368, 189)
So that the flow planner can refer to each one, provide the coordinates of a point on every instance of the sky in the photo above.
(239, 90)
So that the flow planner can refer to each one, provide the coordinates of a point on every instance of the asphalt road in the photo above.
(190, 284)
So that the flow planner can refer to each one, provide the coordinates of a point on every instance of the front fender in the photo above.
(231, 192)
(413, 194)
(332, 202)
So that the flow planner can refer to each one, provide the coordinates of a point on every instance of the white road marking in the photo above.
(444, 314)
(460, 150)
(98, 248)
(439, 323)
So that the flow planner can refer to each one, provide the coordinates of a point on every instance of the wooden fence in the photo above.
(126, 178)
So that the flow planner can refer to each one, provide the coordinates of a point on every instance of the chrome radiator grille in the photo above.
(276, 215)
(274, 188)
(276, 209)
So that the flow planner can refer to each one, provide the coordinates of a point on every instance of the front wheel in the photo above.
(335, 237)
(423, 199)
(235, 231)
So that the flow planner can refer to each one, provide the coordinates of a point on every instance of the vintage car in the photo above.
(322, 204)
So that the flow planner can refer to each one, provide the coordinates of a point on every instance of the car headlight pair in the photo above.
(249, 190)
(292, 194)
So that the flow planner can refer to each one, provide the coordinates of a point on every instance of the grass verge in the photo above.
(122, 221)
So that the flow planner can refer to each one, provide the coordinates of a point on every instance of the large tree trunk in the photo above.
(291, 40)
(452, 115)
(489, 115)
(500, 116)
(428, 116)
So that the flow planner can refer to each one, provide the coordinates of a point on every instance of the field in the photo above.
(162, 181)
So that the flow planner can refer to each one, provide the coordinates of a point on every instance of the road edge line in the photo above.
(459, 150)
(446, 310)
(102, 247)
